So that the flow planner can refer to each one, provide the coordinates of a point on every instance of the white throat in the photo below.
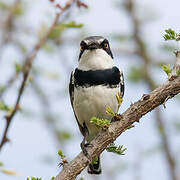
(95, 59)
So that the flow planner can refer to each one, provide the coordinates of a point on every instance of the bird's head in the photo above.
(95, 53)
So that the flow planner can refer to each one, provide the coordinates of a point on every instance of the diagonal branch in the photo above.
(27, 67)
(146, 104)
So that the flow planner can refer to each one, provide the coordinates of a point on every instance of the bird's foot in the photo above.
(117, 117)
(84, 146)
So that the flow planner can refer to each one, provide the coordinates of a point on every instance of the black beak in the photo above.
(93, 46)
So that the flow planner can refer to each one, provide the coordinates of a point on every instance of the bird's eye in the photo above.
(106, 45)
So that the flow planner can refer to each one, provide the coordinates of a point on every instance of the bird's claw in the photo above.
(84, 146)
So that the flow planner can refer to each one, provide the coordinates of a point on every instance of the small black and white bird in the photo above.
(93, 85)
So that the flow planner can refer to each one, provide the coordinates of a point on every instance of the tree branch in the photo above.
(27, 67)
(146, 104)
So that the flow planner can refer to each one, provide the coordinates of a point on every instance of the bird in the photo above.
(93, 86)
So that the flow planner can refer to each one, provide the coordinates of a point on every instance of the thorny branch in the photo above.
(133, 114)
(143, 54)
(27, 67)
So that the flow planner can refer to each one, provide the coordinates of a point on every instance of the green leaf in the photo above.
(48, 48)
(178, 72)
(4, 6)
(2, 89)
(18, 67)
(4, 107)
(171, 35)
(33, 178)
(59, 28)
(18, 10)
(167, 69)
(56, 31)
(110, 111)
(119, 99)
(53, 178)
(72, 24)
(63, 135)
(100, 122)
(95, 160)
(136, 74)
(61, 154)
(1, 164)
(116, 149)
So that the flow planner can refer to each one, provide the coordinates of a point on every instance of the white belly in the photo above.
(92, 101)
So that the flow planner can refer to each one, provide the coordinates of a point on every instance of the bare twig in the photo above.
(131, 115)
(27, 67)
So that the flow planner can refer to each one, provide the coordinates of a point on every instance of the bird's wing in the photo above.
(71, 93)
(121, 84)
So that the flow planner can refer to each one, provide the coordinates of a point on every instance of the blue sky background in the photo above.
(33, 149)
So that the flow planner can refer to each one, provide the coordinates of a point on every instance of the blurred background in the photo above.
(45, 122)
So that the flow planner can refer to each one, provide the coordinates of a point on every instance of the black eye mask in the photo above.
(95, 45)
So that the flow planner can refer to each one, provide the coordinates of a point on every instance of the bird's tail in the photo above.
(95, 167)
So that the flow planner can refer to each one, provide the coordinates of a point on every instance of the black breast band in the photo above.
(110, 77)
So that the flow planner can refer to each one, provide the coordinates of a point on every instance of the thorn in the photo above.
(164, 105)
(60, 164)
(172, 77)
(131, 104)
(117, 117)
(145, 96)
(64, 161)
(6, 139)
(18, 107)
(168, 97)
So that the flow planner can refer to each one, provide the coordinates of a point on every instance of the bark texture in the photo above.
(133, 114)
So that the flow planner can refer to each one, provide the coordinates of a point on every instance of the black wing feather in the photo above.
(71, 93)
(122, 84)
